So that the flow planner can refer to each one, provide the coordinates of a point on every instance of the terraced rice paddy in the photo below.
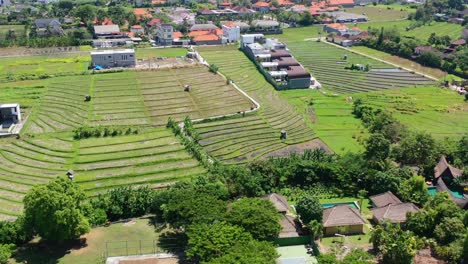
(327, 65)
(153, 158)
(117, 100)
(241, 139)
(164, 96)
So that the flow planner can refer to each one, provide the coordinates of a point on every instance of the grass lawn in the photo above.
(402, 62)
(332, 118)
(95, 248)
(143, 53)
(299, 33)
(380, 13)
(331, 244)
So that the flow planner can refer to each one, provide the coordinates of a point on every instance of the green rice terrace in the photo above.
(242, 139)
(327, 64)
(138, 104)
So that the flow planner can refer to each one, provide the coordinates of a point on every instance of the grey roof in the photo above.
(203, 27)
(5, 2)
(43, 23)
(106, 29)
(279, 201)
(384, 199)
(241, 24)
(342, 215)
(395, 213)
(443, 166)
(265, 23)
(290, 227)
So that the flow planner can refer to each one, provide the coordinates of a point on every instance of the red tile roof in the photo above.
(207, 37)
(285, 3)
(154, 21)
(177, 34)
(459, 42)
(136, 27)
(141, 13)
(340, 2)
(261, 4)
(229, 24)
(337, 26)
(105, 22)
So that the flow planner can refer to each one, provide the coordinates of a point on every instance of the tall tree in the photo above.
(55, 210)
(309, 208)
(208, 241)
(414, 190)
(257, 216)
(395, 245)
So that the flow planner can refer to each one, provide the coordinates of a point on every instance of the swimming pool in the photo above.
(352, 204)
(432, 190)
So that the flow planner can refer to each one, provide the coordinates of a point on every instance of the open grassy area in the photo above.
(332, 119)
(380, 13)
(19, 30)
(242, 139)
(441, 112)
(299, 33)
(327, 64)
(114, 237)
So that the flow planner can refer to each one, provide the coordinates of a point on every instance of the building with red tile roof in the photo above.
(285, 3)
(105, 22)
(261, 6)
(141, 13)
(177, 34)
(153, 22)
(343, 3)
(208, 39)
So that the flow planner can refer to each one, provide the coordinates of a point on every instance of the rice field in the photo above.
(380, 13)
(142, 100)
(155, 158)
(239, 140)
(327, 64)
(209, 95)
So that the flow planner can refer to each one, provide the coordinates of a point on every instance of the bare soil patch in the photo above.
(300, 148)
(424, 256)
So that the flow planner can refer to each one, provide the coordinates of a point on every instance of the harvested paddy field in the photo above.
(238, 140)
(327, 64)
(210, 95)
(154, 157)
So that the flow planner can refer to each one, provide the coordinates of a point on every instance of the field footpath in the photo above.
(375, 58)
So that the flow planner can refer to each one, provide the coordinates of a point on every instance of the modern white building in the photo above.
(164, 34)
(10, 119)
(231, 32)
(251, 38)
(113, 58)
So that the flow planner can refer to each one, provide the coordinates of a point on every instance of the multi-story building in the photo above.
(113, 58)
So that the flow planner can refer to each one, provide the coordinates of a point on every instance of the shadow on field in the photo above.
(46, 252)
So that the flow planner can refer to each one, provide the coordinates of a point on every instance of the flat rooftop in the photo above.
(100, 52)
(9, 105)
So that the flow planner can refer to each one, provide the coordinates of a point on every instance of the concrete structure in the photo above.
(164, 34)
(342, 219)
(5, 3)
(251, 38)
(111, 43)
(10, 117)
(231, 32)
(345, 17)
(275, 62)
(137, 30)
(113, 58)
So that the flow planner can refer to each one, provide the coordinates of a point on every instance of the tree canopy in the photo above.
(56, 210)
(309, 208)
(255, 215)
